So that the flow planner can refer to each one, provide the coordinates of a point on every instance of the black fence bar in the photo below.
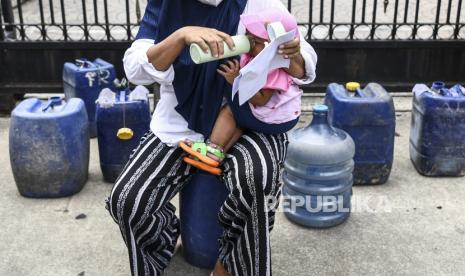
(63, 19)
(436, 25)
(331, 26)
(310, 20)
(138, 11)
(352, 21)
(2, 35)
(394, 28)
(364, 6)
(128, 20)
(42, 20)
(107, 23)
(52, 12)
(95, 12)
(373, 21)
(457, 21)
(21, 20)
(415, 25)
(406, 8)
(84, 18)
(449, 10)
(8, 17)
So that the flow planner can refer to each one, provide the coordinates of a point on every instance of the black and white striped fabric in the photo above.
(139, 203)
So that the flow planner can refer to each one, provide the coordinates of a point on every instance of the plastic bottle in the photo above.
(318, 173)
(243, 44)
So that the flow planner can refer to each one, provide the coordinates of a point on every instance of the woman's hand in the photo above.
(230, 70)
(291, 50)
(165, 52)
(207, 39)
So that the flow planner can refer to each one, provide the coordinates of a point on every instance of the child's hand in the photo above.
(230, 70)
(290, 50)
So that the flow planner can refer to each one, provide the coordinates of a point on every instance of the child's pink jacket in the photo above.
(285, 104)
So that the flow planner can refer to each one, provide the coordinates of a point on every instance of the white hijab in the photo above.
(211, 2)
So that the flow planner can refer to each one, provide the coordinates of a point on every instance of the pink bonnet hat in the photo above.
(255, 23)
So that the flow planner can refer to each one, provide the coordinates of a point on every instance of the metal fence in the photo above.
(393, 42)
(118, 20)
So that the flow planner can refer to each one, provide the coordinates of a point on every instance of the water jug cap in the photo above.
(352, 86)
(438, 85)
(320, 108)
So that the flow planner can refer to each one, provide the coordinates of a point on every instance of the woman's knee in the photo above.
(119, 203)
(113, 204)
(258, 158)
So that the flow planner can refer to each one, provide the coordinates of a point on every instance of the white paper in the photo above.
(254, 75)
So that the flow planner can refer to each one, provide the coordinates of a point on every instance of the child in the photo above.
(274, 109)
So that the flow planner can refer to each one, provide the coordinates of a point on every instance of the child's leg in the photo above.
(237, 134)
(225, 128)
(224, 134)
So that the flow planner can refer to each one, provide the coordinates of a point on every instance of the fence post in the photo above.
(8, 18)
(1, 24)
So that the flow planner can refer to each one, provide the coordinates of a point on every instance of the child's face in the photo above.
(259, 45)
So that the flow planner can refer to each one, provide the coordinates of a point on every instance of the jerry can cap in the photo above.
(352, 86)
(125, 133)
(438, 85)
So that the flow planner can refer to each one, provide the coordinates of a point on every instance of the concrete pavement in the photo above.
(412, 225)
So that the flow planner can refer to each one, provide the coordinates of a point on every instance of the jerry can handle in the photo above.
(122, 96)
(83, 63)
(52, 102)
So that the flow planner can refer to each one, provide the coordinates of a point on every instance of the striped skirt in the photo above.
(139, 203)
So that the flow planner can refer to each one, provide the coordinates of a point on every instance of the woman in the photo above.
(191, 97)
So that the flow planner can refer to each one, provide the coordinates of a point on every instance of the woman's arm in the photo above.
(164, 53)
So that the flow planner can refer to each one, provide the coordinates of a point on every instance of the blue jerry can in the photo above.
(318, 173)
(200, 203)
(85, 79)
(437, 144)
(122, 120)
(49, 147)
(368, 116)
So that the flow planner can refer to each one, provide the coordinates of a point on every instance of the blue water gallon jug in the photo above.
(49, 147)
(200, 203)
(85, 79)
(437, 132)
(318, 173)
(122, 119)
(368, 116)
